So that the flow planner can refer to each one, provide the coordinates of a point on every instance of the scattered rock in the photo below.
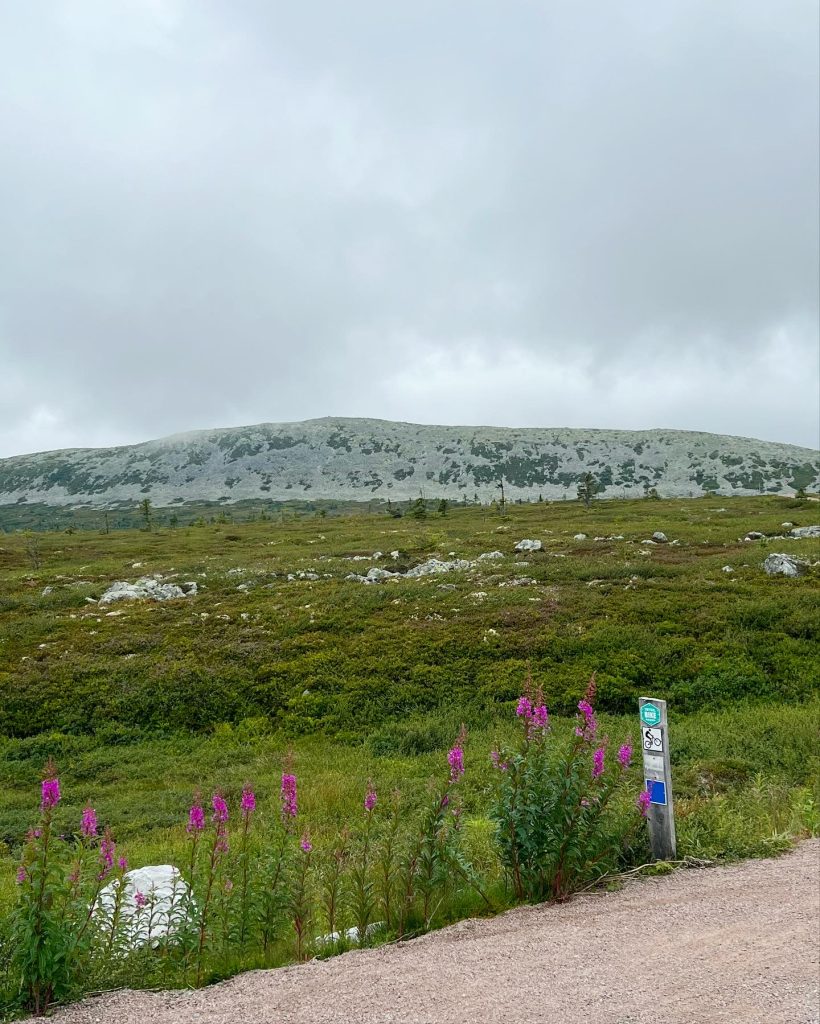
(581, 536)
(727, 568)
(518, 581)
(528, 545)
(489, 555)
(787, 526)
(433, 566)
(165, 913)
(649, 542)
(302, 576)
(659, 538)
(46, 591)
(805, 531)
(783, 565)
(148, 588)
(754, 535)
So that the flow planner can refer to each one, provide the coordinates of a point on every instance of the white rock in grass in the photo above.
(783, 565)
(659, 538)
(149, 588)
(490, 555)
(168, 904)
(806, 531)
(582, 536)
(528, 545)
(727, 568)
(433, 566)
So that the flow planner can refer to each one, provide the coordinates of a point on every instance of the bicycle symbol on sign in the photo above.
(653, 740)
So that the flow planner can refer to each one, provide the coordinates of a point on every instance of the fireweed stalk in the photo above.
(275, 869)
(332, 879)
(387, 861)
(247, 807)
(218, 847)
(300, 908)
(363, 898)
(40, 941)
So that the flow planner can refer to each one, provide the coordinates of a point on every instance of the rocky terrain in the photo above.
(361, 459)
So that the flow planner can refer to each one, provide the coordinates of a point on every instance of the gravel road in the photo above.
(735, 945)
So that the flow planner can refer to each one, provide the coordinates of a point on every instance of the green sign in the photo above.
(650, 714)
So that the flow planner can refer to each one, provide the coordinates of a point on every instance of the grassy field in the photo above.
(141, 703)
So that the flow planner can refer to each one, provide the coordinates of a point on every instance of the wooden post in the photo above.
(657, 775)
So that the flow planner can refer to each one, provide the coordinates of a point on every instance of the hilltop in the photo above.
(365, 459)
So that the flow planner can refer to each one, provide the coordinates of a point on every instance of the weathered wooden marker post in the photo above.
(657, 775)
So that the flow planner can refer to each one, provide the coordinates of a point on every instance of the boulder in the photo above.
(166, 908)
(528, 545)
(149, 588)
(659, 538)
(806, 531)
(434, 566)
(581, 536)
(783, 565)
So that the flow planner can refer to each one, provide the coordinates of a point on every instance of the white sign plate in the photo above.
(652, 740)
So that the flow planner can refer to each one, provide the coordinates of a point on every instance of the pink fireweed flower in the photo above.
(643, 802)
(598, 763)
(306, 844)
(122, 864)
(590, 724)
(370, 798)
(248, 802)
(290, 805)
(49, 793)
(540, 717)
(88, 824)
(22, 875)
(455, 759)
(220, 814)
(140, 899)
(625, 755)
(107, 848)
(221, 845)
(524, 708)
(495, 757)
(196, 817)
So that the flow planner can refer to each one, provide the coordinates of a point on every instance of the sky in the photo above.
(506, 212)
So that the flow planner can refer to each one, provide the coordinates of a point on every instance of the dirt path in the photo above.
(735, 945)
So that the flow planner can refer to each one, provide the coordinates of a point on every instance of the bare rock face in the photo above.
(149, 588)
(155, 904)
(528, 545)
(783, 565)
(806, 531)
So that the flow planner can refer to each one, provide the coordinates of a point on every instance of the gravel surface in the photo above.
(735, 945)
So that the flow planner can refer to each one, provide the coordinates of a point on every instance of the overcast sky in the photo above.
(517, 212)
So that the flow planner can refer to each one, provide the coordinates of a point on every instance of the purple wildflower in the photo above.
(540, 717)
(495, 757)
(107, 848)
(306, 844)
(625, 755)
(643, 802)
(590, 724)
(22, 875)
(455, 759)
(598, 763)
(140, 899)
(196, 817)
(290, 806)
(370, 798)
(49, 793)
(122, 864)
(220, 815)
(248, 803)
(524, 708)
(88, 824)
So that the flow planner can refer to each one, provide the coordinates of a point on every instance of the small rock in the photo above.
(727, 568)
(649, 542)
(528, 545)
(659, 538)
(787, 526)
(46, 591)
(489, 555)
(754, 535)
(581, 536)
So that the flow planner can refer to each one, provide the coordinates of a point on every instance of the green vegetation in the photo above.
(141, 703)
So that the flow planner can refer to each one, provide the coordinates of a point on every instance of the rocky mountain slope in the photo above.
(363, 459)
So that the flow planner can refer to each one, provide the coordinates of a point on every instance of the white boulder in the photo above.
(581, 536)
(161, 910)
(754, 535)
(528, 545)
(806, 531)
(660, 538)
(783, 565)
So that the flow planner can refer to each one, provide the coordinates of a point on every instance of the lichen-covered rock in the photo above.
(528, 545)
(490, 555)
(161, 911)
(660, 538)
(806, 531)
(783, 565)
(149, 588)
(433, 566)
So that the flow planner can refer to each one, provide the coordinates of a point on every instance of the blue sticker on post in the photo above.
(657, 791)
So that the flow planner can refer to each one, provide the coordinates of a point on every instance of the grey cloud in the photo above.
(222, 213)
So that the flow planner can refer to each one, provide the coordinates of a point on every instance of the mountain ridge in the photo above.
(361, 459)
